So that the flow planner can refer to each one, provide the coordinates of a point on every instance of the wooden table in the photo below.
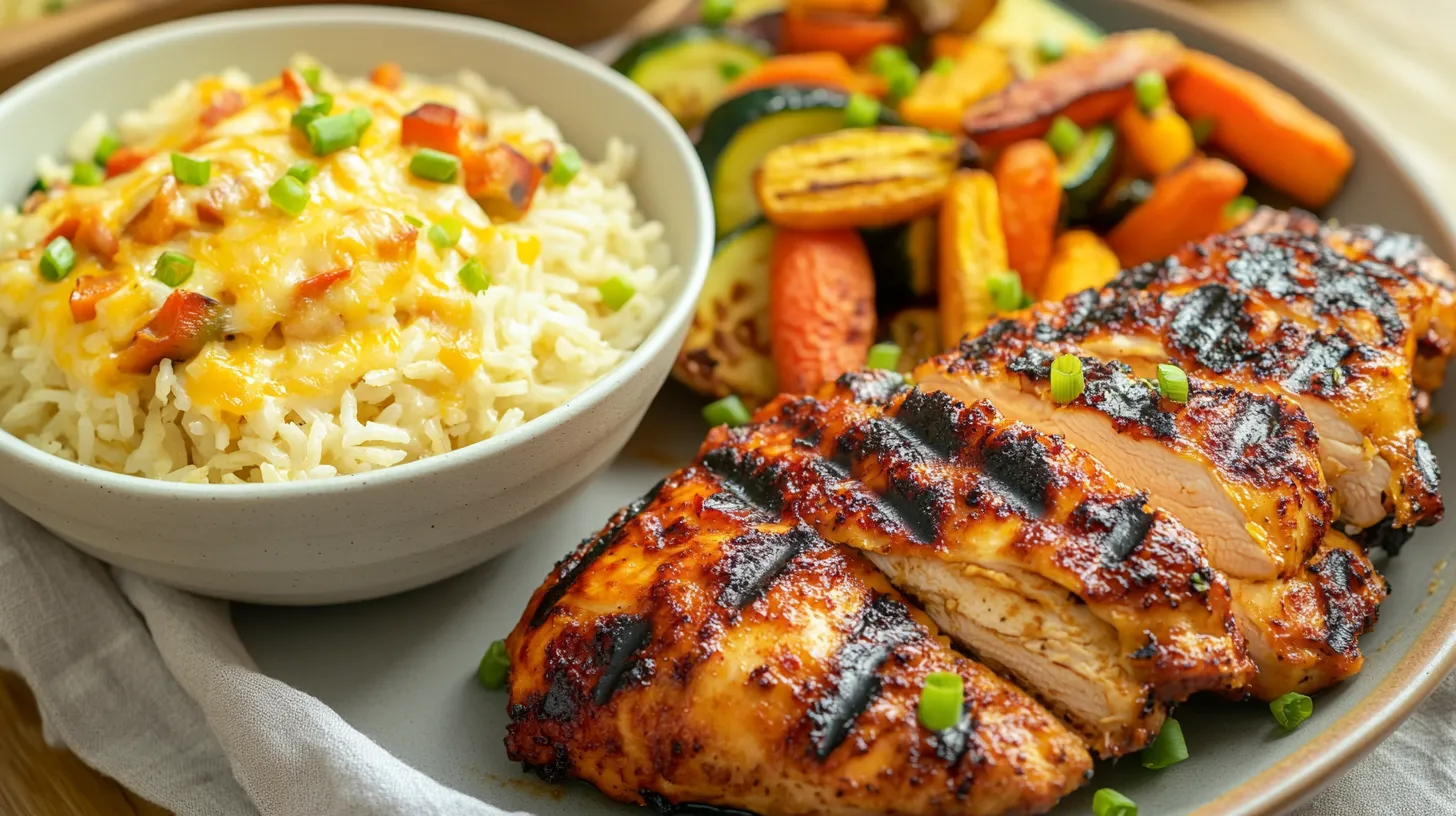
(1392, 59)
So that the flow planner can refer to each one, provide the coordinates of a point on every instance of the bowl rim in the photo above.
(257, 21)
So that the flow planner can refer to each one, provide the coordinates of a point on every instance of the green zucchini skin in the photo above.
(903, 257)
(648, 46)
(1086, 174)
(690, 69)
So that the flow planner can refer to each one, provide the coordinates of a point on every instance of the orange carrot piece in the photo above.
(947, 45)
(851, 36)
(1031, 199)
(828, 69)
(125, 160)
(91, 290)
(865, 7)
(1186, 205)
(1264, 129)
(387, 75)
(1158, 141)
(821, 306)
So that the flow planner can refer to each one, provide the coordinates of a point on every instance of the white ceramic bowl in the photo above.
(365, 535)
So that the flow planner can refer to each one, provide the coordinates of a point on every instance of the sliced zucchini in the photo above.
(740, 131)
(689, 69)
(904, 260)
(917, 333)
(1088, 171)
(727, 348)
(744, 10)
(1118, 202)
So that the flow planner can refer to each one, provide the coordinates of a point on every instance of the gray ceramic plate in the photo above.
(400, 669)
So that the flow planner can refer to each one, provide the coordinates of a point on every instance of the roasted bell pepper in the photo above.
(501, 180)
(318, 285)
(223, 103)
(1157, 141)
(90, 290)
(941, 99)
(125, 160)
(186, 322)
(1080, 260)
(848, 34)
(434, 126)
(972, 251)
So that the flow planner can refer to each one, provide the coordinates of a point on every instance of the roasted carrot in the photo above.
(851, 36)
(1264, 129)
(66, 229)
(387, 75)
(828, 69)
(1157, 141)
(90, 290)
(1080, 260)
(821, 306)
(1186, 205)
(865, 7)
(1031, 199)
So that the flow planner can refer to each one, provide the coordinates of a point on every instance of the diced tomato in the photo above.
(96, 235)
(224, 103)
(434, 126)
(295, 85)
(66, 229)
(388, 75)
(162, 217)
(90, 290)
(501, 180)
(318, 285)
(125, 160)
(186, 322)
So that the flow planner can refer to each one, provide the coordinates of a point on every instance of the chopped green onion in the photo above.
(1202, 128)
(108, 145)
(1050, 49)
(565, 166)
(289, 194)
(473, 276)
(58, 259)
(321, 105)
(1240, 208)
(884, 356)
(445, 233)
(1064, 136)
(495, 666)
(1108, 802)
(1066, 378)
(1199, 581)
(1337, 377)
(330, 134)
(313, 75)
(728, 411)
(886, 58)
(616, 292)
(39, 186)
(942, 700)
(173, 268)
(191, 171)
(1006, 291)
(413, 222)
(863, 110)
(1172, 383)
(304, 171)
(717, 12)
(86, 174)
(943, 66)
(1291, 709)
(362, 119)
(434, 165)
(902, 80)
(1168, 747)
(1150, 89)
(730, 71)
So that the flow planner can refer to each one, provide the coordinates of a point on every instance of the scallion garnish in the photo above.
(1050, 49)
(58, 259)
(188, 170)
(445, 233)
(433, 165)
(86, 174)
(330, 134)
(1167, 748)
(1066, 378)
(883, 356)
(321, 105)
(717, 12)
(1064, 136)
(565, 166)
(1199, 581)
(616, 292)
(362, 119)
(942, 700)
(1291, 709)
(473, 277)
(304, 171)
(495, 666)
(1240, 208)
(863, 110)
(943, 66)
(1108, 802)
(173, 268)
(728, 411)
(313, 75)
(885, 57)
(413, 222)
(1150, 90)
(1202, 128)
(1006, 291)
(730, 71)
(1172, 383)
(108, 145)
(289, 194)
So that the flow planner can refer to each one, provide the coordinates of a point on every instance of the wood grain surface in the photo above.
(1391, 59)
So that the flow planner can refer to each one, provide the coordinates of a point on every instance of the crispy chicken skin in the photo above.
(699, 649)
(986, 521)
(1239, 468)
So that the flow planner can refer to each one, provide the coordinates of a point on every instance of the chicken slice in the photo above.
(702, 650)
(1022, 548)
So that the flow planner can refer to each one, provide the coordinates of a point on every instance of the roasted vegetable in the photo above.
(317, 286)
(738, 133)
(1186, 205)
(689, 69)
(960, 16)
(432, 125)
(501, 179)
(917, 333)
(1080, 260)
(387, 75)
(972, 251)
(825, 69)
(1264, 129)
(727, 347)
(1029, 184)
(163, 216)
(186, 322)
(904, 261)
(821, 306)
(125, 160)
(866, 8)
(1087, 88)
(91, 290)
(862, 177)
(851, 35)
(1158, 141)
(1118, 202)
(1088, 171)
(940, 99)
(1019, 27)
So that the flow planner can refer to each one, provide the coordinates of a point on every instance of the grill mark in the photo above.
(1019, 471)
(1318, 356)
(874, 387)
(587, 555)
(932, 418)
(955, 742)
(1426, 464)
(561, 701)
(1336, 574)
(620, 638)
(1386, 536)
(663, 807)
(1117, 528)
(884, 625)
(914, 507)
(741, 476)
(1207, 325)
(755, 560)
(1111, 389)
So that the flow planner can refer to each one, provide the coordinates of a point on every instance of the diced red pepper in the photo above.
(96, 235)
(125, 160)
(501, 180)
(318, 285)
(388, 75)
(434, 126)
(186, 322)
(90, 290)
(224, 103)
(213, 207)
(162, 217)
(295, 85)
(66, 229)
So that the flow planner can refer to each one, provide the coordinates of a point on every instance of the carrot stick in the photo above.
(853, 37)
(1264, 129)
(824, 68)
(1158, 141)
(1031, 199)
(821, 306)
(1186, 205)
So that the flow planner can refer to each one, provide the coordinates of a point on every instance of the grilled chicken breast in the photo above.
(702, 649)
(1022, 548)
(1240, 469)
